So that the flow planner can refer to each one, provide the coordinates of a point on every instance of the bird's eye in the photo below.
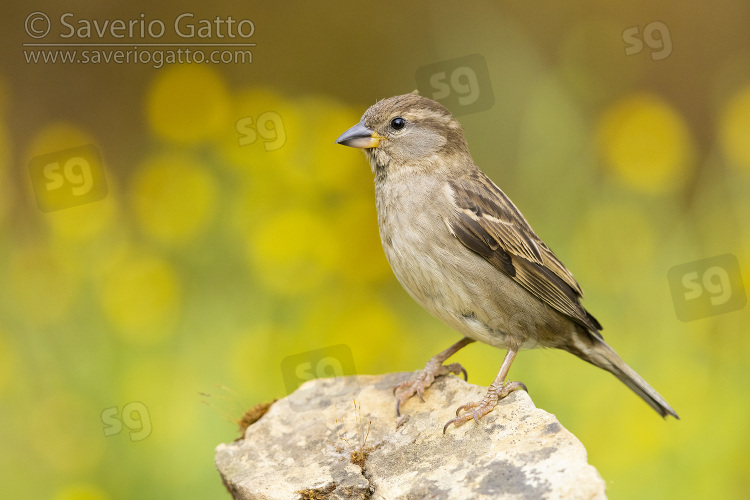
(398, 123)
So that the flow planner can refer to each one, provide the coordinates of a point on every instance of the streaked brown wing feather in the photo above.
(473, 235)
(488, 223)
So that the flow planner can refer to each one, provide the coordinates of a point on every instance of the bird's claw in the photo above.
(423, 379)
(486, 405)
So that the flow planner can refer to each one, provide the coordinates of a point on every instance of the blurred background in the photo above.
(172, 226)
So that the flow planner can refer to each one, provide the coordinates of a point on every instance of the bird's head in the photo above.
(405, 132)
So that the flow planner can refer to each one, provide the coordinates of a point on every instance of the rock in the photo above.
(315, 444)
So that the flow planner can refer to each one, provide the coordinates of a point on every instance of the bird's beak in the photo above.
(360, 137)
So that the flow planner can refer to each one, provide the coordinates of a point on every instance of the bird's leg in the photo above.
(498, 390)
(433, 368)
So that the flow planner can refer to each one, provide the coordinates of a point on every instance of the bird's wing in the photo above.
(487, 222)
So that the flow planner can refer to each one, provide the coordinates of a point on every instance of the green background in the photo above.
(210, 261)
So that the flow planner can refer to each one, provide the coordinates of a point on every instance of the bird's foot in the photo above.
(483, 407)
(423, 379)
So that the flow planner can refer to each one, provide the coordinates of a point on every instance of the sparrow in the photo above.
(465, 253)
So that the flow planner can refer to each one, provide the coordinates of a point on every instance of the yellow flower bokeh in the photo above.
(370, 326)
(293, 251)
(81, 491)
(646, 143)
(734, 129)
(187, 103)
(329, 166)
(242, 145)
(173, 198)
(140, 294)
(362, 261)
(84, 222)
(253, 354)
(56, 136)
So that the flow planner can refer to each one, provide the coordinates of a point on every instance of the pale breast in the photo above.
(450, 281)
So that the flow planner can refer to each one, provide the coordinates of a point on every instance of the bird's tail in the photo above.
(602, 355)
